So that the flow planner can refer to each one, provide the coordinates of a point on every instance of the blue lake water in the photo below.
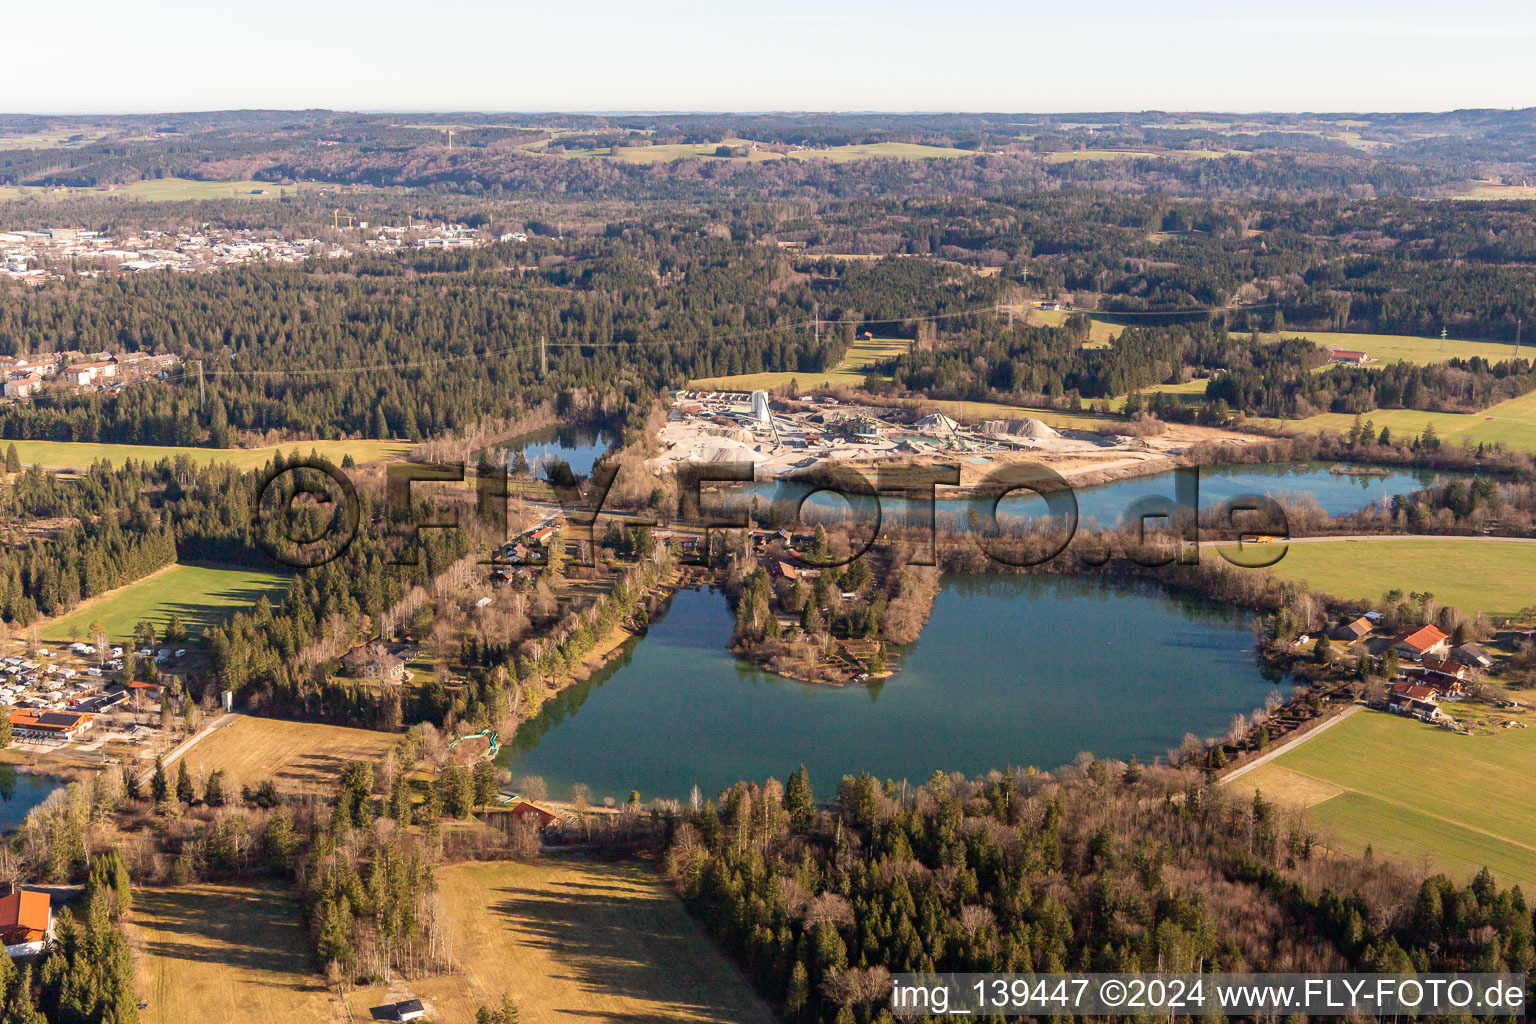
(580, 447)
(1010, 670)
(19, 793)
(1106, 504)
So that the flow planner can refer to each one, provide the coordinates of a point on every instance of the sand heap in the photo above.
(937, 421)
(741, 434)
(1026, 427)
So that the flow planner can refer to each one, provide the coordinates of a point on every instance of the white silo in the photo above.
(760, 411)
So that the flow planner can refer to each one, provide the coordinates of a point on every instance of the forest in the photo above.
(1105, 866)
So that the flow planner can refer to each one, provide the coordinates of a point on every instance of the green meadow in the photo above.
(200, 594)
(1412, 791)
(1475, 575)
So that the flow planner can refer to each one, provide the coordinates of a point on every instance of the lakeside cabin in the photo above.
(522, 810)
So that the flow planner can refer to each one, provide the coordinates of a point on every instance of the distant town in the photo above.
(35, 256)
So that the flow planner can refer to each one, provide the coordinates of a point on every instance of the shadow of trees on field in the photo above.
(624, 940)
(245, 929)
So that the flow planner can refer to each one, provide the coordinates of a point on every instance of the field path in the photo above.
(1290, 745)
(187, 744)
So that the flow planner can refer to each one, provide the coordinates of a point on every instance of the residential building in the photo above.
(1414, 699)
(81, 374)
(1426, 641)
(26, 922)
(374, 661)
(1442, 674)
(21, 387)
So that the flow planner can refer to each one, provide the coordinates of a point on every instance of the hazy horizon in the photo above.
(794, 55)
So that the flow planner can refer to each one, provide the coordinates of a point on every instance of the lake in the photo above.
(1337, 493)
(580, 447)
(19, 793)
(1010, 670)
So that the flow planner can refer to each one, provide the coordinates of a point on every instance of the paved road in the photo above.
(220, 723)
(1290, 744)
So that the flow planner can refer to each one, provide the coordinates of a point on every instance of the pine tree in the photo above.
(184, 791)
(799, 800)
(12, 459)
(159, 787)
(213, 789)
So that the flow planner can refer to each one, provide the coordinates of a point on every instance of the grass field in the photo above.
(1192, 390)
(1494, 190)
(577, 942)
(80, 454)
(849, 373)
(1411, 791)
(1512, 422)
(301, 757)
(225, 954)
(167, 190)
(1100, 332)
(1392, 348)
(200, 594)
(1474, 575)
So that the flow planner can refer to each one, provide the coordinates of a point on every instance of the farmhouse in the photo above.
(1473, 656)
(1414, 699)
(1422, 642)
(1441, 674)
(782, 570)
(26, 922)
(1350, 632)
(1348, 357)
(42, 724)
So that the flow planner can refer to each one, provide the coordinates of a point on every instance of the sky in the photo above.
(897, 55)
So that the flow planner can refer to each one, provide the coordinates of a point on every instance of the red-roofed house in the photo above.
(1426, 641)
(1348, 357)
(1443, 675)
(1414, 699)
(26, 921)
